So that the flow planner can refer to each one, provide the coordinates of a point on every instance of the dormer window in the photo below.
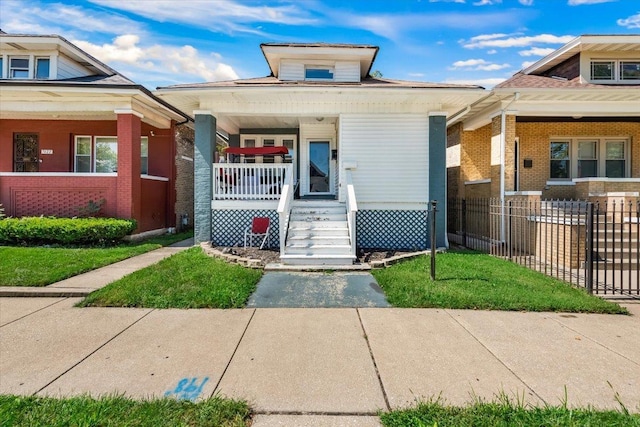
(615, 71)
(315, 72)
(18, 67)
(629, 70)
(42, 68)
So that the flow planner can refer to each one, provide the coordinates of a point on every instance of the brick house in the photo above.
(566, 127)
(74, 131)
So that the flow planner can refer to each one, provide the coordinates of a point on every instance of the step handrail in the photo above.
(284, 207)
(352, 208)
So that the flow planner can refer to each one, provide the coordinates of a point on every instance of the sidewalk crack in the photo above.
(373, 359)
(235, 350)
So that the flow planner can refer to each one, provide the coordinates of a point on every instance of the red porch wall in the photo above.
(153, 213)
(56, 195)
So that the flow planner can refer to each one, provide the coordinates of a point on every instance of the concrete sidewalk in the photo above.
(83, 284)
(296, 366)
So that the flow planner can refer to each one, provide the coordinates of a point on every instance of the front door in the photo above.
(319, 168)
(25, 152)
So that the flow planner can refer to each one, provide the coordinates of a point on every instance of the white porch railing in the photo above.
(284, 209)
(352, 208)
(234, 181)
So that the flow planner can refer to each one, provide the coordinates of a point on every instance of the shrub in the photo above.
(67, 231)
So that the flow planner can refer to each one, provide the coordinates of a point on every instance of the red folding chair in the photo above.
(259, 228)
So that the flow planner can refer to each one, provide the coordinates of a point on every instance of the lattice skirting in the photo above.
(228, 226)
(388, 229)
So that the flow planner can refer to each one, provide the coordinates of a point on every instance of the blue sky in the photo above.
(164, 42)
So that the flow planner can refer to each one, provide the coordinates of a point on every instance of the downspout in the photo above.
(503, 149)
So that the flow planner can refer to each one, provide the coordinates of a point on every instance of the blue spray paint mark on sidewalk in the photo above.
(187, 388)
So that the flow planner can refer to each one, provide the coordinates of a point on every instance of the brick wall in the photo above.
(534, 138)
(63, 196)
(184, 174)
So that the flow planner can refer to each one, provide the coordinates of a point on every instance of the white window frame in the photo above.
(11, 69)
(601, 155)
(616, 71)
(92, 151)
(37, 65)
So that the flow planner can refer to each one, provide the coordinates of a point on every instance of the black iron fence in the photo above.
(589, 244)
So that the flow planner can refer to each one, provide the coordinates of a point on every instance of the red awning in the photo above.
(257, 151)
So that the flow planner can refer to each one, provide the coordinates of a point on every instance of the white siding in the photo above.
(68, 69)
(347, 71)
(291, 70)
(392, 156)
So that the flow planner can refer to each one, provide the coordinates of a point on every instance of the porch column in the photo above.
(129, 129)
(438, 172)
(205, 142)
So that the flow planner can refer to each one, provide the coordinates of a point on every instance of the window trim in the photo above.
(11, 68)
(616, 72)
(601, 155)
(36, 67)
(92, 149)
(75, 153)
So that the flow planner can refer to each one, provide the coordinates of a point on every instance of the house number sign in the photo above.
(46, 151)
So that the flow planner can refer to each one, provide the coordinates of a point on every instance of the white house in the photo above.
(365, 155)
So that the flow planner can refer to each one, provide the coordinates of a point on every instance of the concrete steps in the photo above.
(318, 234)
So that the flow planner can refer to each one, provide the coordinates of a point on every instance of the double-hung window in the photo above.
(42, 68)
(588, 158)
(18, 67)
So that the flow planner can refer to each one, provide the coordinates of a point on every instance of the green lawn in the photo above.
(189, 279)
(119, 411)
(505, 414)
(472, 280)
(41, 266)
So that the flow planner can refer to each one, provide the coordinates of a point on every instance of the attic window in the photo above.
(629, 70)
(19, 68)
(318, 73)
(602, 70)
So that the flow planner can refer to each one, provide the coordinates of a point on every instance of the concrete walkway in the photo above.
(319, 366)
(83, 284)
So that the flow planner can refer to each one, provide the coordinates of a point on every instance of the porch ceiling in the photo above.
(51, 103)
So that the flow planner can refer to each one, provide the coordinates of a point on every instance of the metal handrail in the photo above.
(284, 207)
(352, 208)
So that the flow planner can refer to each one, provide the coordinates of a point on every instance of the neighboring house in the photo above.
(73, 130)
(365, 156)
(566, 127)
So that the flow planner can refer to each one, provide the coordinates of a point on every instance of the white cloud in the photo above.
(631, 22)
(582, 2)
(536, 51)
(477, 65)
(416, 75)
(159, 59)
(527, 64)
(486, 2)
(487, 83)
(21, 17)
(485, 41)
(226, 16)
(526, 2)
(492, 52)
(446, 1)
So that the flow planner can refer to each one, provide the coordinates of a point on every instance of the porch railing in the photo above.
(352, 208)
(234, 181)
(589, 244)
(284, 209)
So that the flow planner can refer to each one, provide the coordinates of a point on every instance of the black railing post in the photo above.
(589, 248)
(464, 223)
(434, 203)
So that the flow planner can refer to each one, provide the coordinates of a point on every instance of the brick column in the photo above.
(128, 181)
(205, 142)
(438, 173)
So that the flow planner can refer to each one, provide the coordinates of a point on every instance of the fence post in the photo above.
(589, 248)
(434, 203)
(510, 230)
(464, 223)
